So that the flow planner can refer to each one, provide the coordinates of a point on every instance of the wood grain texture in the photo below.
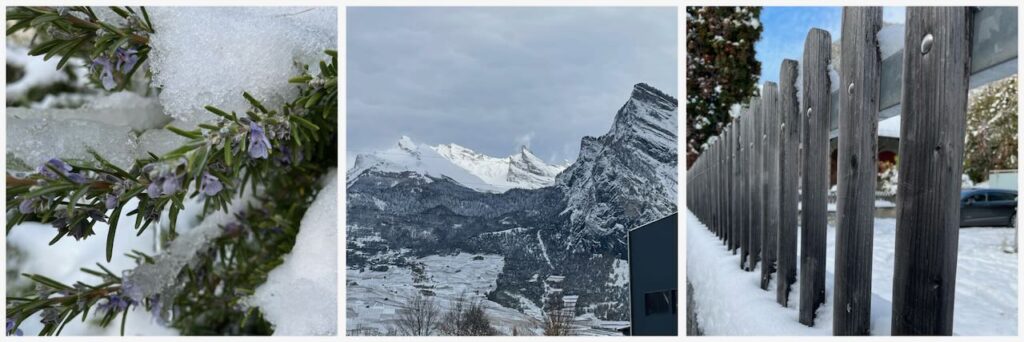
(736, 186)
(860, 75)
(814, 202)
(744, 188)
(756, 188)
(789, 149)
(935, 84)
(770, 181)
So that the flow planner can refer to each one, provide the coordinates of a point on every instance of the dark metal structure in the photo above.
(653, 277)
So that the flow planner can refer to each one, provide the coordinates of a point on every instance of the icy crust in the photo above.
(124, 109)
(33, 140)
(254, 49)
(160, 277)
(300, 296)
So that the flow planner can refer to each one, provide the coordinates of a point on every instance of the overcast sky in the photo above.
(492, 79)
(785, 29)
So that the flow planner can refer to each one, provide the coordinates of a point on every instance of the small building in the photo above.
(1003, 179)
(653, 277)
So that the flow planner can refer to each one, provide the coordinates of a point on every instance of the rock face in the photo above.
(414, 200)
(626, 177)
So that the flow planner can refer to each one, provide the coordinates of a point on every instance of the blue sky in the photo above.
(785, 29)
(494, 78)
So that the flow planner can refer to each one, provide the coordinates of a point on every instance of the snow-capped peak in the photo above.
(405, 143)
(463, 165)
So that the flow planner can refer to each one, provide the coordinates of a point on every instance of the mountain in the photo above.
(474, 170)
(556, 231)
(626, 177)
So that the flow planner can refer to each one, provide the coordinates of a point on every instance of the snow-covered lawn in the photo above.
(375, 297)
(729, 301)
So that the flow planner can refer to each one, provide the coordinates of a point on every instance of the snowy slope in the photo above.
(522, 170)
(469, 168)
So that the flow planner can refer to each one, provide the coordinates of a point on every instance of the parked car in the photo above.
(988, 207)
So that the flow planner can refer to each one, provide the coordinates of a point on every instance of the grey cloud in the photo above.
(487, 77)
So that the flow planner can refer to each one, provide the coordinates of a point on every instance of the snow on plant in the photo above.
(991, 139)
(278, 153)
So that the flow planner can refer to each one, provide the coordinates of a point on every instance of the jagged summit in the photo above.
(627, 176)
(472, 169)
(645, 92)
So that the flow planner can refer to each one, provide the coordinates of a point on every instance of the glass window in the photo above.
(661, 302)
(1001, 196)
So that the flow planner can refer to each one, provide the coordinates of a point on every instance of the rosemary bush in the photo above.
(278, 155)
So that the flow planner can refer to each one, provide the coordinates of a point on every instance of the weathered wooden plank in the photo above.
(724, 174)
(859, 85)
(756, 189)
(744, 189)
(735, 192)
(935, 84)
(814, 201)
(789, 149)
(769, 181)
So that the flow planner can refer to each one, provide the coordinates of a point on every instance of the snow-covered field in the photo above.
(374, 297)
(729, 301)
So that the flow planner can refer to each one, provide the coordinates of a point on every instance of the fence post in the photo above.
(789, 144)
(735, 192)
(858, 113)
(858, 151)
(745, 196)
(756, 190)
(724, 173)
(935, 83)
(814, 202)
(769, 181)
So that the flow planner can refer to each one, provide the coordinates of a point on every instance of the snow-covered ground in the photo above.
(374, 297)
(729, 301)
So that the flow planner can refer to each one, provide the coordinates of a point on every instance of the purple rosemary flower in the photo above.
(50, 316)
(28, 205)
(12, 328)
(80, 230)
(107, 72)
(58, 164)
(47, 171)
(155, 187)
(110, 202)
(259, 145)
(163, 184)
(171, 185)
(115, 303)
(156, 308)
(126, 59)
(211, 185)
(96, 215)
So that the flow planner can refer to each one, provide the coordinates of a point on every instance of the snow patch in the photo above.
(300, 296)
(256, 49)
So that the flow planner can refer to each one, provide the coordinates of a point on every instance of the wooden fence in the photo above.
(745, 185)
